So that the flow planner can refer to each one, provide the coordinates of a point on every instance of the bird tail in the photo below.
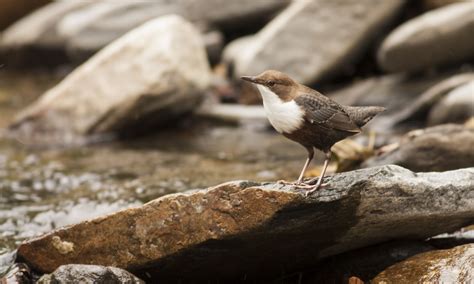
(361, 115)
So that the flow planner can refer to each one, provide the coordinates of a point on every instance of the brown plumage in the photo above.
(306, 116)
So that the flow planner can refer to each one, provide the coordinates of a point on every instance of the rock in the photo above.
(456, 106)
(18, 273)
(12, 10)
(234, 113)
(442, 266)
(439, 37)
(440, 148)
(449, 240)
(364, 263)
(34, 39)
(433, 4)
(310, 40)
(81, 28)
(420, 108)
(150, 76)
(253, 230)
(89, 274)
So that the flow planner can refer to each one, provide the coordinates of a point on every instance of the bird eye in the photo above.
(271, 83)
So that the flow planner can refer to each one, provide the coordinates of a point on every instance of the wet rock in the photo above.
(438, 148)
(419, 109)
(456, 106)
(18, 273)
(89, 274)
(12, 10)
(439, 37)
(253, 230)
(134, 81)
(442, 266)
(310, 40)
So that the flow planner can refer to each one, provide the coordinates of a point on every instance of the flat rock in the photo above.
(438, 37)
(89, 274)
(150, 76)
(310, 40)
(254, 230)
(456, 106)
(439, 148)
(441, 266)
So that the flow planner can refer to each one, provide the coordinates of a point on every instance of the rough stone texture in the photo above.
(78, 29)
(442, 266)
(12, 10)
(420, 108)
(456, 106)
(149, 76)
(89, 274)
(439, 148)
(312, 40)
(438, 37)
(252, 230)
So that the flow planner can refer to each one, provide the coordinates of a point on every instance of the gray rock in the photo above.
(439, 37)
(253, 230)
(439, 148)
(34, 38)
(89, 274)
(81, 28)
(311, 41)
(419, 109)
(456, 106)
(150, 76)
(440, 266)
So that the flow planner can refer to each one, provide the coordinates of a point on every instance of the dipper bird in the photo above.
(306, 116)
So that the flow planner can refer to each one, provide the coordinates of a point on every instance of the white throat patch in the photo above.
(283, 116)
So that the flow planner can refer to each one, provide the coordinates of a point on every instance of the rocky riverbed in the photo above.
(130, 152)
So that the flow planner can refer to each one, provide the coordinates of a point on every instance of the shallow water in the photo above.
(43, 189)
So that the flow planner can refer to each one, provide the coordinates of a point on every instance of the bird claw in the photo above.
(314, 188)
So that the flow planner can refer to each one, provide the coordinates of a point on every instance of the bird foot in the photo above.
(286, 182)
(296, 184)
(315, 188)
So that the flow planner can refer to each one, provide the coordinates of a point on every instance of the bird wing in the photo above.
(321, 110)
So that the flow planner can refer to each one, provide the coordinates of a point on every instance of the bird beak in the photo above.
(251, 79)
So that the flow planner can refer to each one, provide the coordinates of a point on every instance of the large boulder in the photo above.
(89, 274)
(150, 76)
(313, 40)
(12, 10)
(257, 230)
(440, 266)
(81, 28)
(439, 37)
(439, 148)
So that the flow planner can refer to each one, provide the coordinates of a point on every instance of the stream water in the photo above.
(42, 189)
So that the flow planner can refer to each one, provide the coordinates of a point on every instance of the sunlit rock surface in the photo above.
(440, 266)
(439, 148)
(311, 41)
(253, 230)
(456, 106)
(80, 273)
(438, 37)
(148, 77)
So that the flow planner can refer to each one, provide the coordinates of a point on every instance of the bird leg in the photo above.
(299, 182)
(321, 177)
